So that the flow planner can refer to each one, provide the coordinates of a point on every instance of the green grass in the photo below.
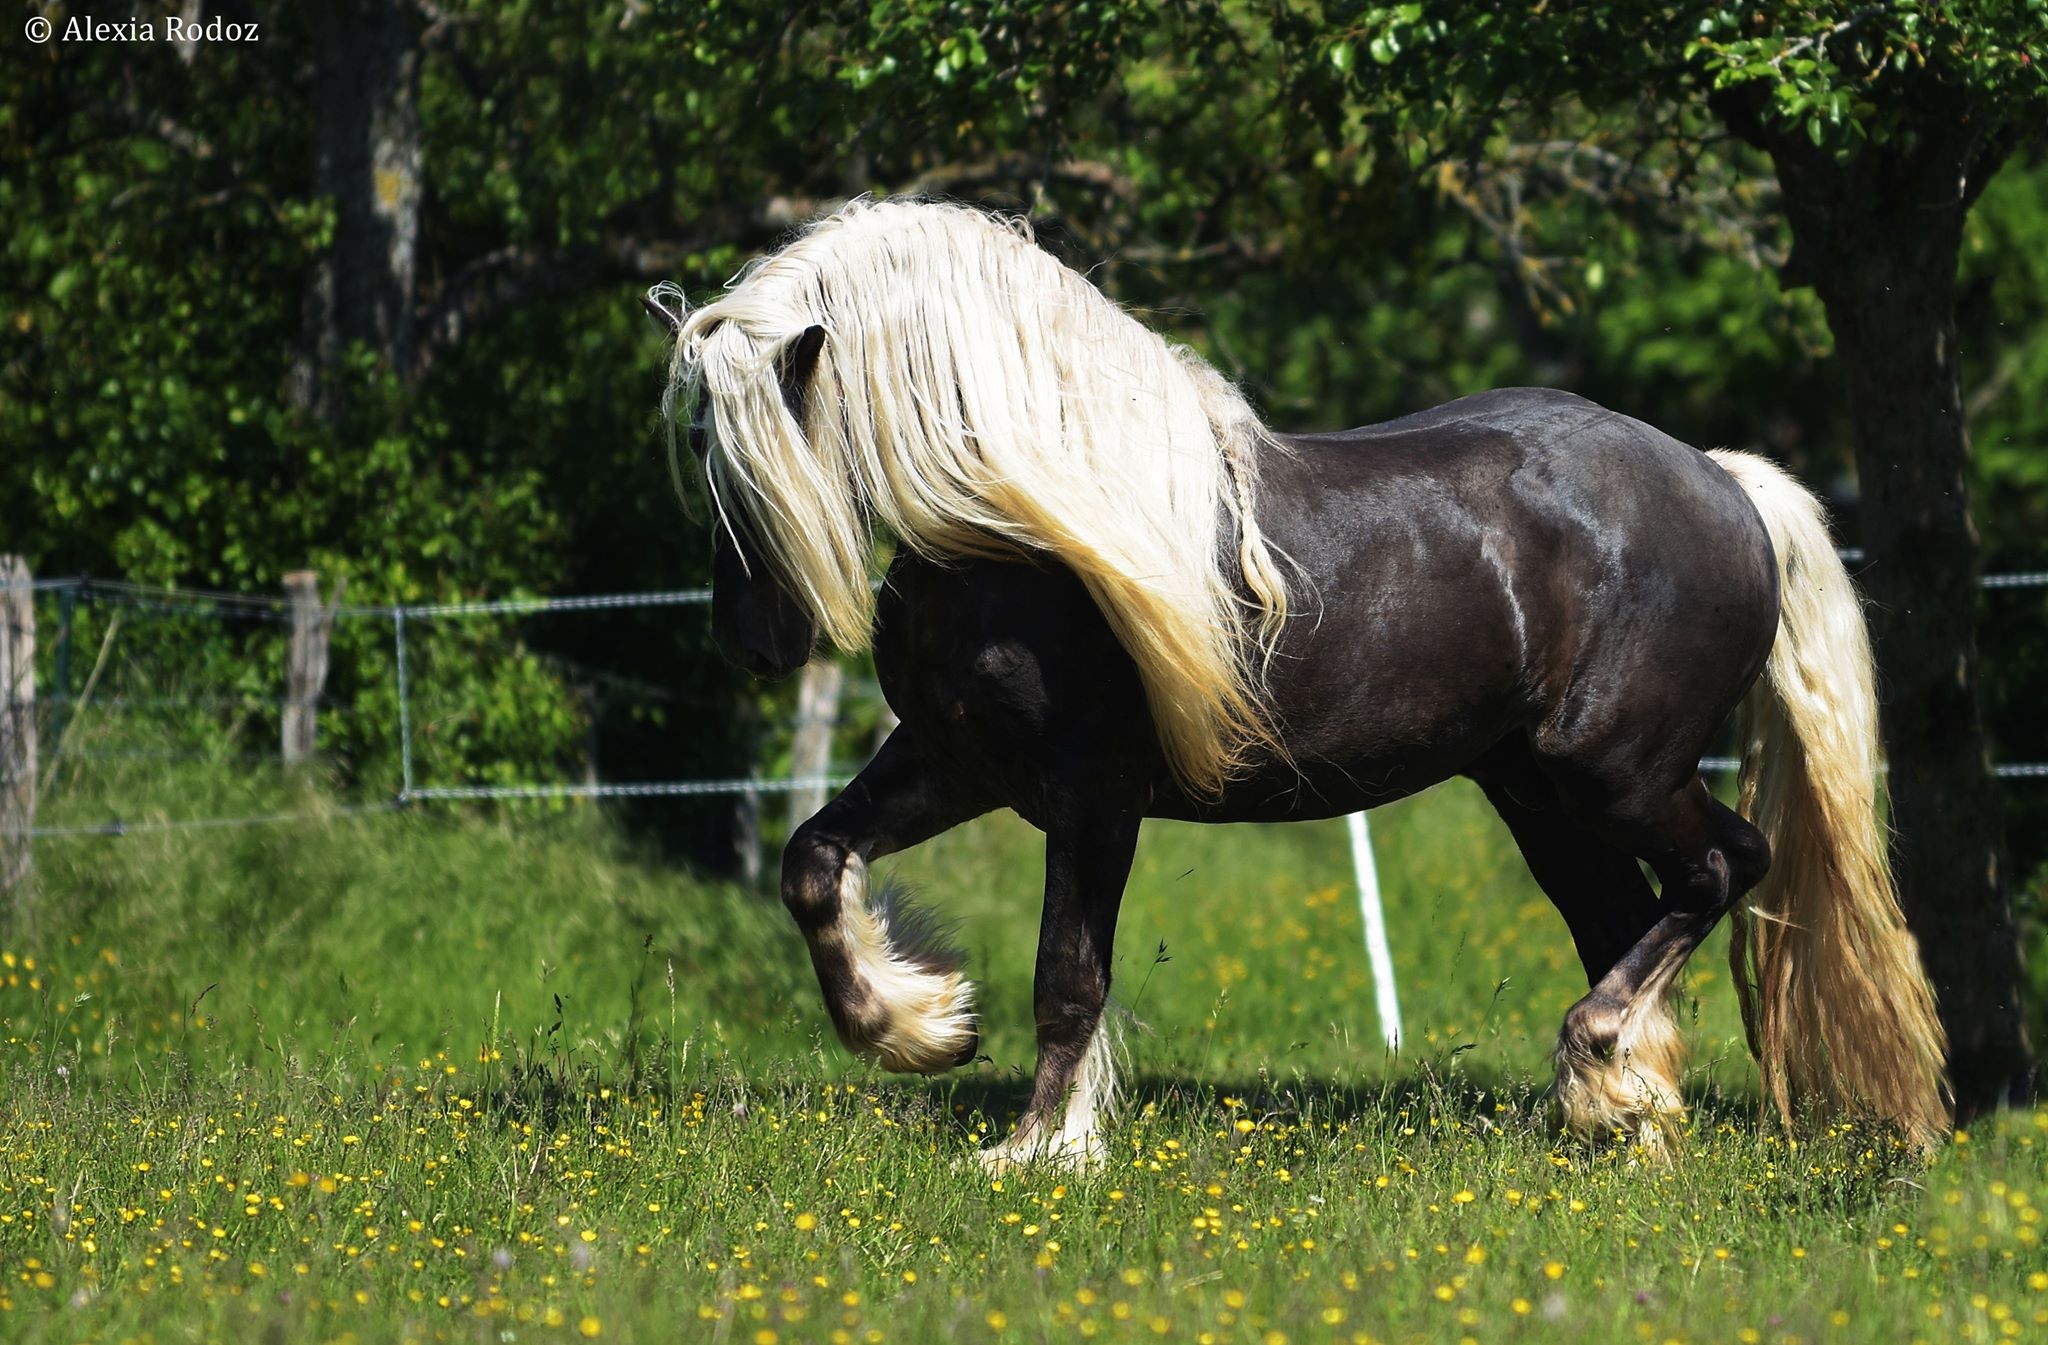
(427, 1076)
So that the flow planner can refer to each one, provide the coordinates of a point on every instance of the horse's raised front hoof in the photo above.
(924, 1025)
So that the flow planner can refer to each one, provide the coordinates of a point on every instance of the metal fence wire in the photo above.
(406, 618)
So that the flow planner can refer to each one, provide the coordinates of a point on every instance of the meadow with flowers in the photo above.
(500, 1079)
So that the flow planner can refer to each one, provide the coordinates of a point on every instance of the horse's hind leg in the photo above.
(1609, 906)
(895, 995)
(1705, 857)
(1088, 849)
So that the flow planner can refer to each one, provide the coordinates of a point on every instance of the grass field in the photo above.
(421, 1077)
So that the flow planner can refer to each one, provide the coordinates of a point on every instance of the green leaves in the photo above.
(1842, 73)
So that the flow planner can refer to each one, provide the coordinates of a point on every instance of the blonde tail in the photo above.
(1836, 1004)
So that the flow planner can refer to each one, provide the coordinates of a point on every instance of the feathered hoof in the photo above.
(1617, 1081)
(1059, 1152)
(926, 1026)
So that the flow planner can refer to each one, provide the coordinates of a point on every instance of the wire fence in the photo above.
(414, 786)
(144, 710)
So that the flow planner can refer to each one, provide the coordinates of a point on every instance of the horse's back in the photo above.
(1515, 563)
(1620, 504)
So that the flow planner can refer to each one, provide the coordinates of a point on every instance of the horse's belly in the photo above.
(1365, 751)
(1393, 691)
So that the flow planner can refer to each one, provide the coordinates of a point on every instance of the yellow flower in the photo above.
(1553, 1269)
(996, 1320)
(806, 1221)
(590, 1326)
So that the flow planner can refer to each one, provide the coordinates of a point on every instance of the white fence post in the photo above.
(1375, 918)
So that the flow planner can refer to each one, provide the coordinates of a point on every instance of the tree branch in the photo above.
(953, 179)
(518, 274)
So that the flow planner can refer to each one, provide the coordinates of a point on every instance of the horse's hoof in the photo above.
(1059, 1153)
(928, 1031)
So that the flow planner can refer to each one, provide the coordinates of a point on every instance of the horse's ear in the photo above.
(799, 360)
(670, 323)
(671, 319)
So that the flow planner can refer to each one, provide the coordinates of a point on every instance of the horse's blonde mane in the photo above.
(977, 398)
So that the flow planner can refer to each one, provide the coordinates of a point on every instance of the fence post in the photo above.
(306, 673)
(885, 724)
(1374, 917)
(810, 752)
(17, 722)
(67, 622)
(746, 812)
(584, 697)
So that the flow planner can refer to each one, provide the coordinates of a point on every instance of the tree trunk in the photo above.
(1879, 244)
(367, 162)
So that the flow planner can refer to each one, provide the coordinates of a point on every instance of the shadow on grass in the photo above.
(1480, 1101)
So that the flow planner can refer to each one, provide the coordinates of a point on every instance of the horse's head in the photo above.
(758, 624)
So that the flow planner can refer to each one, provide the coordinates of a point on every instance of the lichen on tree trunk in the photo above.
(367, 162)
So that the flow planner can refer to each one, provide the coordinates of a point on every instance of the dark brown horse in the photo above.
(1521, 587)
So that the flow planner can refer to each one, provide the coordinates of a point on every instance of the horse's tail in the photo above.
(1837, 1007)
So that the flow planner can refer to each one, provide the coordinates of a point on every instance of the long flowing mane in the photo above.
(974, 397)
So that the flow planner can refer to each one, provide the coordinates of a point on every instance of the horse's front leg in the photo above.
(895, 992)
(1088, 849)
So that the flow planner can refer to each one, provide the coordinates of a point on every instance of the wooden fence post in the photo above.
(746, 809)
(306, 674)
(885, 724)
(810, 752)
(17, 722)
